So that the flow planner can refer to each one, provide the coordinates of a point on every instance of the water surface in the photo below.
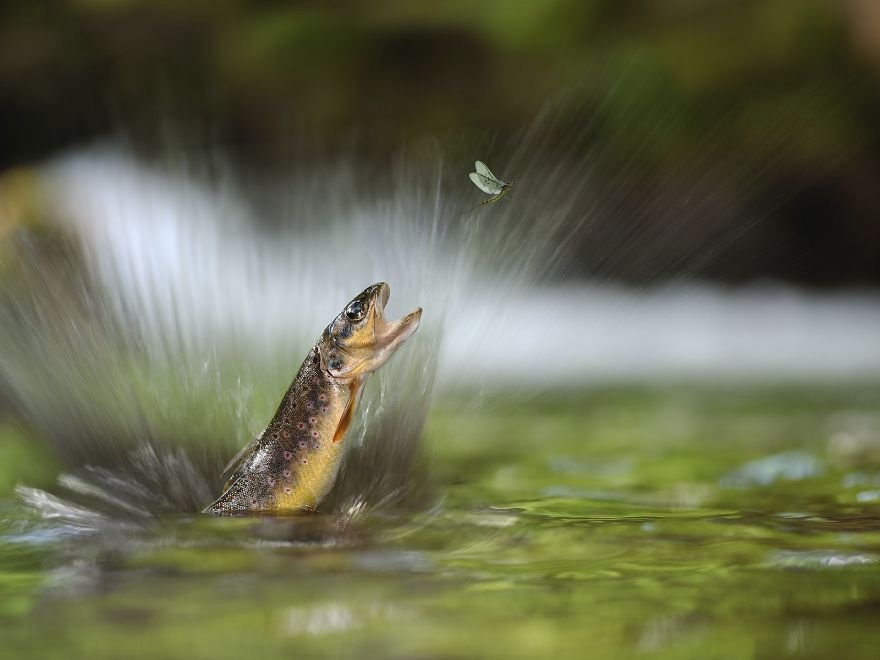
(677, 523)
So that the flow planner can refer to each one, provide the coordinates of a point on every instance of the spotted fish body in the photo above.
(293, 464)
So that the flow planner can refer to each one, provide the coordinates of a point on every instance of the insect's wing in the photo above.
(484, 183)
(481, 168)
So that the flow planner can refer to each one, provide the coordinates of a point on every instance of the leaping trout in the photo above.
(293, 463)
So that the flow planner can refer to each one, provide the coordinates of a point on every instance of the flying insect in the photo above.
(489, 183)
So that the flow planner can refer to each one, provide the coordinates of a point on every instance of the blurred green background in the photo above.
(734, 140)
(779, 96)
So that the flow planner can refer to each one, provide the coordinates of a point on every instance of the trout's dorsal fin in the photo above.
(354, 389)
(235, 464)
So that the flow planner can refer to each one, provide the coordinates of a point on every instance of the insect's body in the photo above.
(489, 183)
(499, 195)
(293, 464)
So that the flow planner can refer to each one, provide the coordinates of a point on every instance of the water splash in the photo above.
(166, 307)
(162, 332)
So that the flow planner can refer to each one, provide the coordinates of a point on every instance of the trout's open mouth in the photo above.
(390, 335)
(361, 345)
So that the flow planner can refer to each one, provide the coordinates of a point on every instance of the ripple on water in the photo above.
(788, 466)
(819, 559)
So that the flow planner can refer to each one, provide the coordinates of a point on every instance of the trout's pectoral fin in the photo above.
(348, 414)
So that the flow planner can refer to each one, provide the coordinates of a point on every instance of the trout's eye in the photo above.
(355, 311)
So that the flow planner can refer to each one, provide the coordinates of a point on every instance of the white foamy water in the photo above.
(193, 273)
(579, 333)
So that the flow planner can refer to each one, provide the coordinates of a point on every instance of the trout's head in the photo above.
(360, 340)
